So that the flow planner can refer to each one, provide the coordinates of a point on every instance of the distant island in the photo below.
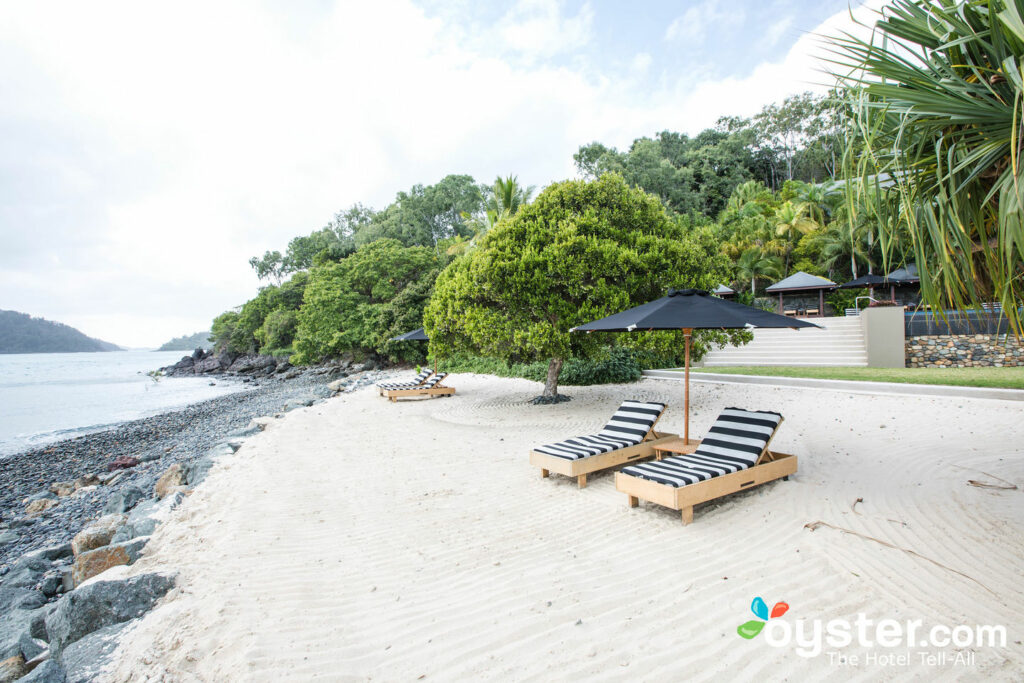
(189, 342)
(21, 333)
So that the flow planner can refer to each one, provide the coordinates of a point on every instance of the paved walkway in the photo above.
(850, 386)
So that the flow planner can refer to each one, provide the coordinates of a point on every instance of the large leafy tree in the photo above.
(935, 96)
(349, 306)
(582, 250)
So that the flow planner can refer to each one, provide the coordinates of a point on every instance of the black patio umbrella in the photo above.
(416, 335)
(689, 310)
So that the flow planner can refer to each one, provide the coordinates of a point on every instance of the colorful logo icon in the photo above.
(760, 610)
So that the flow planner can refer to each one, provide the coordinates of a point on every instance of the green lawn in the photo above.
(1004, 378)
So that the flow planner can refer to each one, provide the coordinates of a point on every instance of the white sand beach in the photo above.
(359, 539)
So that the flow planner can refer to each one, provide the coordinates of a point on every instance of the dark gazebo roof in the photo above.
(723, 291)
(905, 275)
(801, 281)
(869, 280)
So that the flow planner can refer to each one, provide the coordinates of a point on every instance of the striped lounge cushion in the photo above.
(732, 444)
(418, 380)
(628, 427)
(434, 380)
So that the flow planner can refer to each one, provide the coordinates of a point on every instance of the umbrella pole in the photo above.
(686, 395)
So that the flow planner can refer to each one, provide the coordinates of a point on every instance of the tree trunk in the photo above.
(551, 385)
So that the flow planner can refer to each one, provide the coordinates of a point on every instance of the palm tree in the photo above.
(507, 195)
(933, 144)
(505, 198)
(754, 263)
(792, 223)
(843, 240)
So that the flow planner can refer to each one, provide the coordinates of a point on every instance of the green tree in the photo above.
(754, 263)
(934, 141)
(582, 250)
(346, 304)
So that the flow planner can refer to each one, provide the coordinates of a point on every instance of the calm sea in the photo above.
(45, 397)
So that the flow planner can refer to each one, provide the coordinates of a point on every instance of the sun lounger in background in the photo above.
(432, 388)
(417, 381)
(628, 436)
(733, 457)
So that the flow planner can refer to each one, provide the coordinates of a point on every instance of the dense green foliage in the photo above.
(355, 305)
(498, 278)
(21, 333)
(934, 142)
(581, 251)
(796, 140)
(188, 342)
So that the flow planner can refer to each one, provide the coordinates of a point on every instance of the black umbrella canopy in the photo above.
(692, 309)
(688, 310)
(416, 335)
(869, 280)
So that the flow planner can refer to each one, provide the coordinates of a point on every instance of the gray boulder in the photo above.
(299, 402)
(31, 647)
(8, 536)
(37, 627)
(141, 522)
(47, 672)
(27, 570)
(104, 603)
(17, 608)
(85, 659)
(244, 432)
(124, 500)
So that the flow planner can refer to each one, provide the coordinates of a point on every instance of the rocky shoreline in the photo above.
(75, 509)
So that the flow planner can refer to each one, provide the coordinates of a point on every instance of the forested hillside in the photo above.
(21, 333)
(188, 342)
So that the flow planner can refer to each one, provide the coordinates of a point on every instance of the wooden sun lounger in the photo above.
(417, 381)
(769, 466)
(432, 388)
(581, 467)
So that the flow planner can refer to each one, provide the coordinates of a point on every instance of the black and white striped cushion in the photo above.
(732, 444)
(628, 427)
(418, 380)
(434, 380)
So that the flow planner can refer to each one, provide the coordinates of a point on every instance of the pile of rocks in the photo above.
(963, 351)
(251, 366)
(60, 618)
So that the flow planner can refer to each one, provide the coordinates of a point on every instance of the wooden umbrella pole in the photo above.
(686, 396)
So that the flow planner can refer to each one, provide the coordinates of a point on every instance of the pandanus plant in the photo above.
(933, 144)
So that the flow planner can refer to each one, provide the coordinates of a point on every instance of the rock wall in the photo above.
(963, 351)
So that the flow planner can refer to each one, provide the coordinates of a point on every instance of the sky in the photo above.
(150, 149)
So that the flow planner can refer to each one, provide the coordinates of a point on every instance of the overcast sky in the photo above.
(149, 149)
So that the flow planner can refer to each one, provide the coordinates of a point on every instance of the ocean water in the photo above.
(46, 397)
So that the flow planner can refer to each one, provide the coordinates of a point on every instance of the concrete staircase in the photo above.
(840, 343)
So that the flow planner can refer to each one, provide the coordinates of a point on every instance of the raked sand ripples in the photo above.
(361, 539)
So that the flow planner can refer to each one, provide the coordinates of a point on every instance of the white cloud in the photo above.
(537, 28)
(150, 150)
(692, 25)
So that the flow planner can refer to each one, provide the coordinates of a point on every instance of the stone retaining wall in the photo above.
(963, 351)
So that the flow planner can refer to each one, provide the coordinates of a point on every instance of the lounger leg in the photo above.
(687, 515)
(582, 481)
(633, 501)
(544, 474)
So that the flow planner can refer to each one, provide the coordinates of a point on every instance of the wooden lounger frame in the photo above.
(769, 467)
(581, 467)
(381, 390)
(432, 392)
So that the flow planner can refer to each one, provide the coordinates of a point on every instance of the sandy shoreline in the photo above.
(361, 539)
